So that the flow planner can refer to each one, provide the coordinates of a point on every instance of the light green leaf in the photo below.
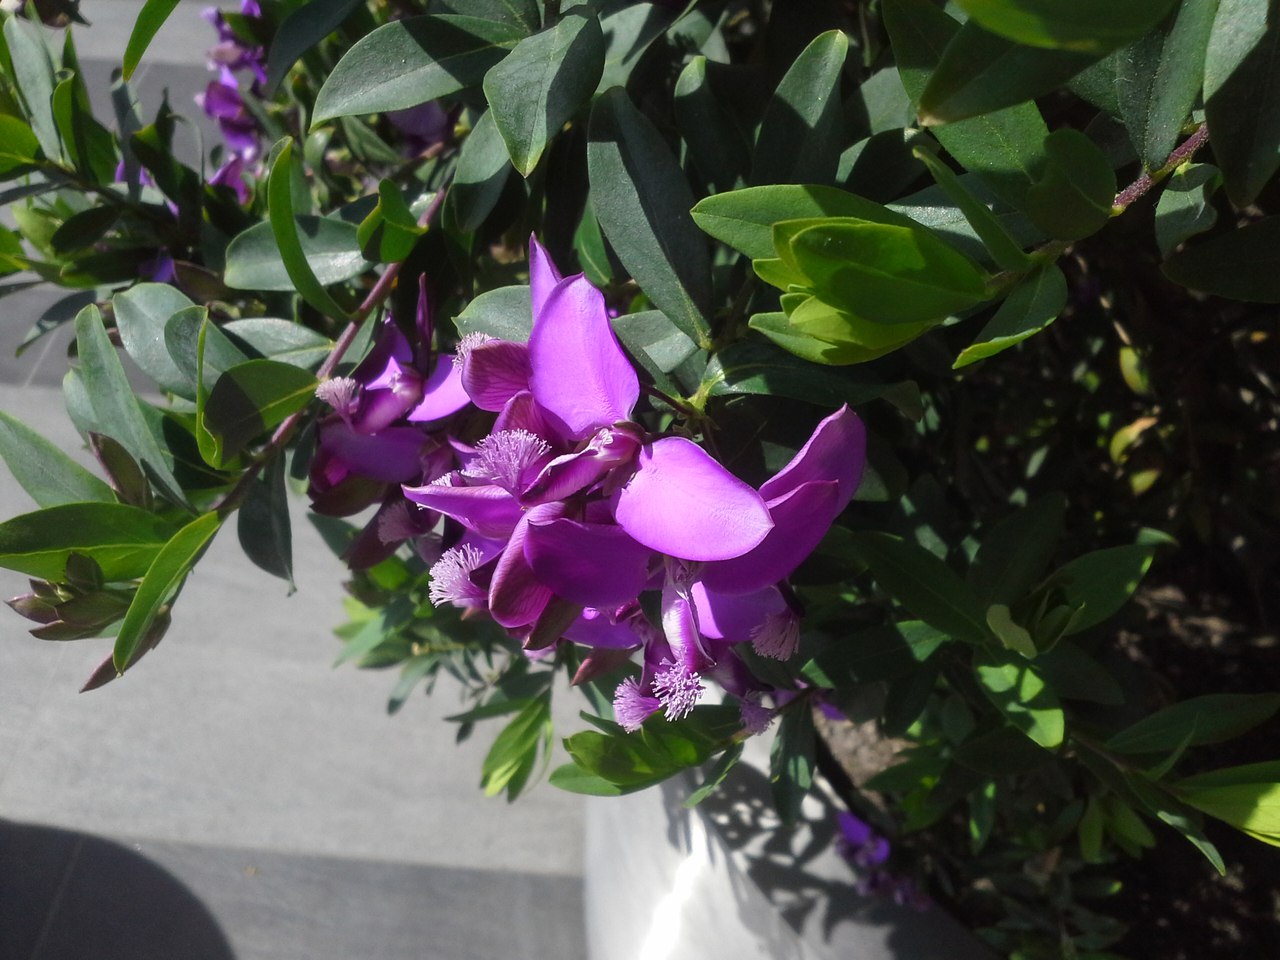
(18, 146)
(538, 88)
(390, 231)
(791, 763)
(516, 747)
(121, 539)
(141, 313)
(1090, 26)
(407, 62)
(151, 18)
(1030, 307)
(162, 582)
(1018, 691)
(44, 471)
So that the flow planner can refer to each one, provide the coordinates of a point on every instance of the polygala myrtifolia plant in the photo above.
(739, 359)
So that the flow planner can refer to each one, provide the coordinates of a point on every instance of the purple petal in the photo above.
(566, 475)
(516, 596)
(495, 371)
(734, 618)
(392, 456)
(580, 376)
(594, 564)
(596, 628)
(543, 275)
(682, 503)
(836, 451)
(389, 345)
(523, 413)
(442, 393)
(681, 628)
(488, 510)
(801, 518)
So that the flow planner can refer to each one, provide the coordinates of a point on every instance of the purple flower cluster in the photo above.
(868, 853)
(224, 101)
(570, 503)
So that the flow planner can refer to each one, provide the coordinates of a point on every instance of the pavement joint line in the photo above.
(55, 904)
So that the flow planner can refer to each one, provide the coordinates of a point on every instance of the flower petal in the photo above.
(594, 564)
(683, 503)
(442, 393)
(488, 509)
(566, 475)
(801, 519)
(543, 275)
(728, 617)
(495, 371)
(523, 413)
(580, 375)
(837, 450)
(393, 456)
(516, 596)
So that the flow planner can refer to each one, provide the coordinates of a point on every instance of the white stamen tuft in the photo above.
(777, 636)
(451, 578)
(679, 689)
(631, 708)
(341, 393)
(466, 345)
(503, 458)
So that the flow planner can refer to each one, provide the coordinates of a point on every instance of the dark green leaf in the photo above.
(1030, 307)
(18, 146)
(283, 340)
(162, 581)
(263, 523)
(44, 471)
(1184, 209)
(1091, 26)
(408, 62)
(121, 539)
(128, 479)
(480, 176)
(84, 229)
(1242, 95)
(981, 73)
(390, 231)
(301, 30)
(504, 314)
(1075, 675)
(1072, 198)
(655, 342)
(538, 88)
(716, 145)
(1004, 250)
(1018, 691)
(1243, 264)
(330, 246)
(182, 336)
(250, 398)
(1208, 719)
(753, 367)
(799, 135)
(151, 18)
(642, 201)
(715, 776)
(33, 74)
(791, 762)
(1103, 581)
(923, 584)
(515, 747)
(142, 312)
(630, 31)
(521, 13)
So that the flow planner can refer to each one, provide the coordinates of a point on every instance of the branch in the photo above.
(1148, 180)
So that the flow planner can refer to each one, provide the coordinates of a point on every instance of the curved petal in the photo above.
(580, 375)
(516, 596)
(596, 628)
(488, 510)
(566, 475)
(392, 456)
(495, 371)
(682, 503)
(734, 618)
(543, 275)
(522, 413)
(801, 519)
(837, 450)
(442, 393)
(594, 564)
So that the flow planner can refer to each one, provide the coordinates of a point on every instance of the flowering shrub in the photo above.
(752, 364)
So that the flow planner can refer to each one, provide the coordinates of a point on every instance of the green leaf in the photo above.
(716, 145)
(408, 62)
(284, 228)
(715, 776)
(923, 584)
(521, 13)
(1030, 307)
(121, 539)
(1242, 95)
(150, 19)
(1184, 209)
(481, 175)
(1004, 250)
(34, 76)
(656, 343)
(115, 410)
(1243, 264)
(1089, 831)
(1004, 148)
(574, 779)
(1214, 718)
(263, 526)
(980, 72)
(331, 247)
(182, 336)
(744, 219)
(390, 231)
(301, 30)
(1251, 807)
(1090, 26)
(18, 146)
(284, 340)
(1103, 581)
(44, 471)
(1073, 197)
(504, 314)
(642, 201)
(516, 747)
(250, 398)
(1075, 675)
(538, 88)
(777, 327)
(791, 762)
(141, 313)
(1018, 691)
(799, 136)
(751, 367)
(886, 273)
(162, 582)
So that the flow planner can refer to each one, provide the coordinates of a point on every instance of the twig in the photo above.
(1148, 180)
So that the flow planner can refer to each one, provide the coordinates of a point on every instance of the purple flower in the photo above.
(231, 52)
(223, 102)
(423, 126)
